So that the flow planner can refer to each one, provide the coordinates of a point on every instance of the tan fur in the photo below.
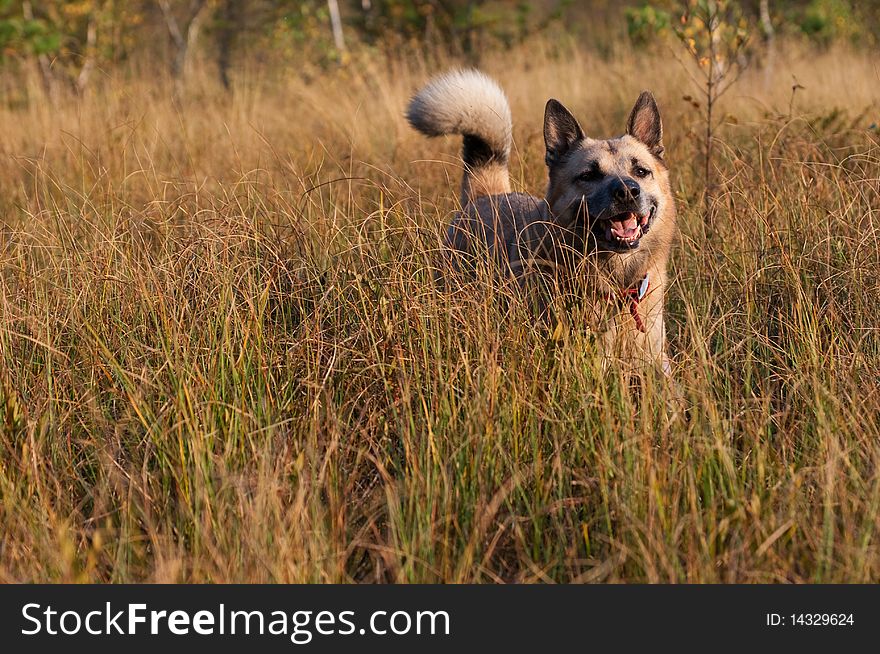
(613, 271)
(486, 180)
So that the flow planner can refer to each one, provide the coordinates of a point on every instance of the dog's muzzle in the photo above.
(623, 231)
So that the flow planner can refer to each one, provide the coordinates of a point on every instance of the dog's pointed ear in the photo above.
(645, 125)
(561, 130)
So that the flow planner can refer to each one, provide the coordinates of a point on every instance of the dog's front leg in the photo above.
(655, 339)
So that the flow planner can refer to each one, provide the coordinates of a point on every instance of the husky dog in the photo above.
(607, 219)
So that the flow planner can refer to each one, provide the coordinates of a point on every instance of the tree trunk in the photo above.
(183, 37)
(336, 24)
(766, 23)
(769, 41)
(43, 65)
(88, 66)
(469, 39)
(229, 28)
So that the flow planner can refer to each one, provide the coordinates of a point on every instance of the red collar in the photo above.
(632, 296)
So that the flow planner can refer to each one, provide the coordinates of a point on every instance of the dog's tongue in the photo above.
(625, 225)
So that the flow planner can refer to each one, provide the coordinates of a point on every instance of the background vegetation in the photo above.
(222, 357)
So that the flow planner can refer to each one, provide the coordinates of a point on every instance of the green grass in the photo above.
(223, 358)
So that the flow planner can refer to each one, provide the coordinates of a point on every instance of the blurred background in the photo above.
(71, 43)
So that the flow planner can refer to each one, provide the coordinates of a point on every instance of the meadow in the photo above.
(223, 357)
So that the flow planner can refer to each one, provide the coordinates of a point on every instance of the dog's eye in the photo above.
(641, 171)
(594, 174)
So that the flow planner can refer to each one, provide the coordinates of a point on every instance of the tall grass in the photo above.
(223, 358)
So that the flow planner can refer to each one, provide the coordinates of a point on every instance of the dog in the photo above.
(606, 222)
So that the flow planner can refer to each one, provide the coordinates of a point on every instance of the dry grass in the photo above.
(222, 357)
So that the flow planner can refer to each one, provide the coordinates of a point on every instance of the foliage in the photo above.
(826, 21)
(72, 34)
(714, 34)
(30, 35)
(69, 34)
(457, 23)
(647, 24)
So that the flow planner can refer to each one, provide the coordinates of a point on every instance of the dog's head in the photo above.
(616, 189)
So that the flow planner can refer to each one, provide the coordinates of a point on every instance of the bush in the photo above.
(647, 24)
(825, 21)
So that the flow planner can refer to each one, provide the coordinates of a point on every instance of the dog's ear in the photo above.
(645, 125)
(561, 131)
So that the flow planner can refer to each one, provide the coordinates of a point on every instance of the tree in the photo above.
(228, 27)
(184, 23)
(715, 35)
(64, 39)
(336, 24)
(42, 43)
(769, 38)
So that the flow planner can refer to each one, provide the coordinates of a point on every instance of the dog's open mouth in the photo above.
(624, 230)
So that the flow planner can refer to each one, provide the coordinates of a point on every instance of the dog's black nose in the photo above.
(625, 189)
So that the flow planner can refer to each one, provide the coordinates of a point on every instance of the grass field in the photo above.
(222, 357)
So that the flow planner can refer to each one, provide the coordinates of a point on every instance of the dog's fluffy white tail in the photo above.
(469, 103)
